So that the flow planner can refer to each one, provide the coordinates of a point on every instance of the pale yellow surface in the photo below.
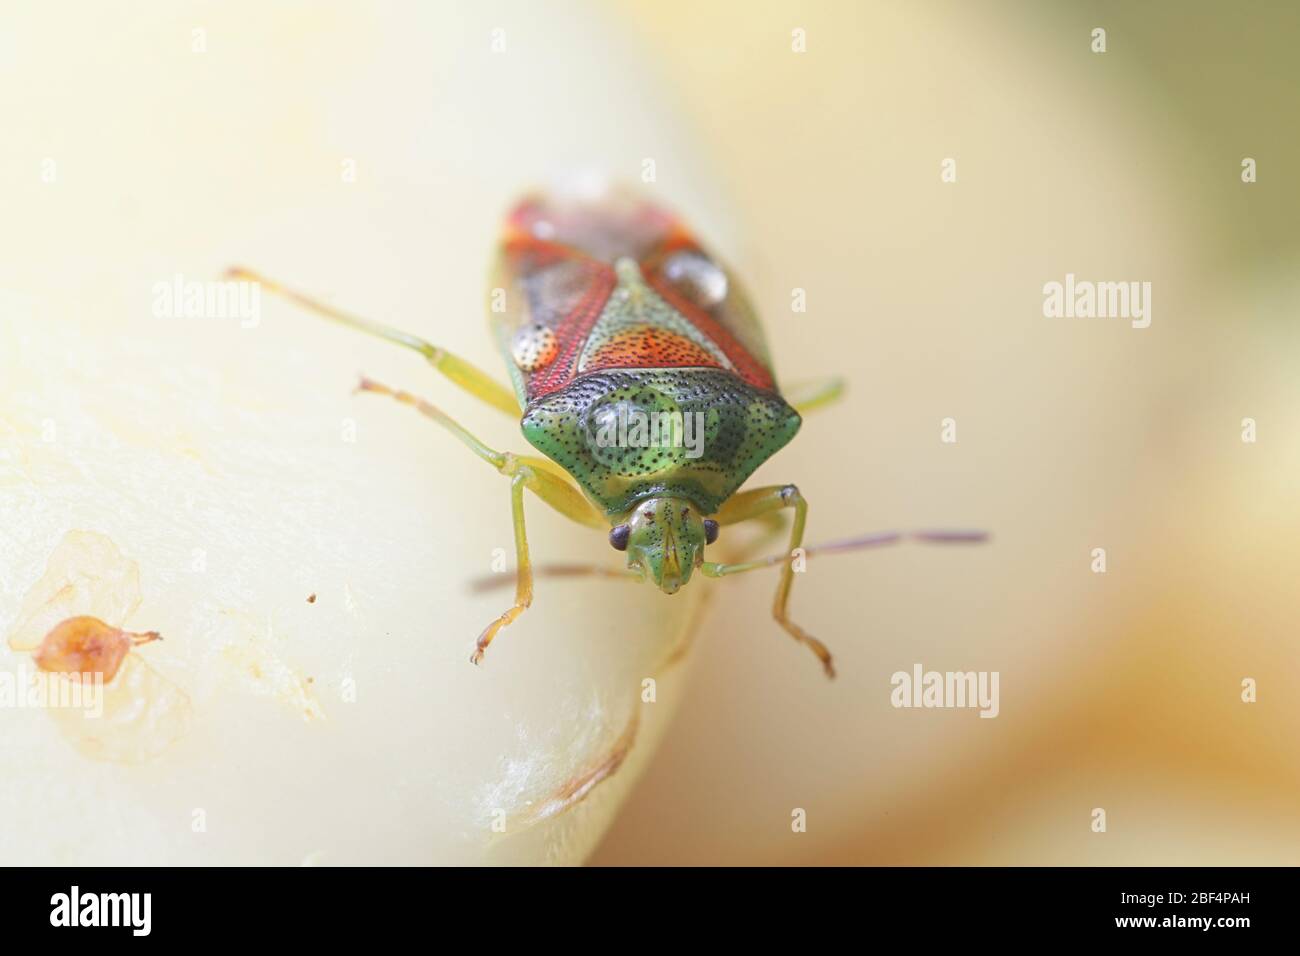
(818, 171)
(215, 476)
(1119, 691)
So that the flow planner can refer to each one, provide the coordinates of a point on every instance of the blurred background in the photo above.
(807, 143)
(1121, 690)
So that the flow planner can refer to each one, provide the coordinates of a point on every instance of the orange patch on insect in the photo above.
(648, 346)
(86, 645)
(533, 347)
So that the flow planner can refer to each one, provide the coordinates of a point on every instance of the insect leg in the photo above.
(541, 476)
(754, 504)
(810, 396)
(523, 569)
(494, 458)
(561, 496)
(469, 377)
(534, 474)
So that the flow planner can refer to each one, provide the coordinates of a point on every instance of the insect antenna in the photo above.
(877, 539)
(490, 582)
(883, 538)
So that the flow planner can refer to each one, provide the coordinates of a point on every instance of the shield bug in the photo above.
(644, 380)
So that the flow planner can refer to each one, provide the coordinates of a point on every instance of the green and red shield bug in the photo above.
(643, 377)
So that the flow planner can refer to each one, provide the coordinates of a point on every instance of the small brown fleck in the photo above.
(311, 598)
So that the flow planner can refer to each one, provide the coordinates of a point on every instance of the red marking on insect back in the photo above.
(649, 347)
(571, 334)
(540, 235)
(528, 255)
(747, 367)
(676, 238)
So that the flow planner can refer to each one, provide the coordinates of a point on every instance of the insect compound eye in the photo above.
(618, 537)
(710, 531)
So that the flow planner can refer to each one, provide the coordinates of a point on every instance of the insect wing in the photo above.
(545, 299)
(707, 293)
(556, 271)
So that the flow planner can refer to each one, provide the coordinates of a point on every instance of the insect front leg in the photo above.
(535, 474)
(754, 504)
(560, 495)
(523, 568)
